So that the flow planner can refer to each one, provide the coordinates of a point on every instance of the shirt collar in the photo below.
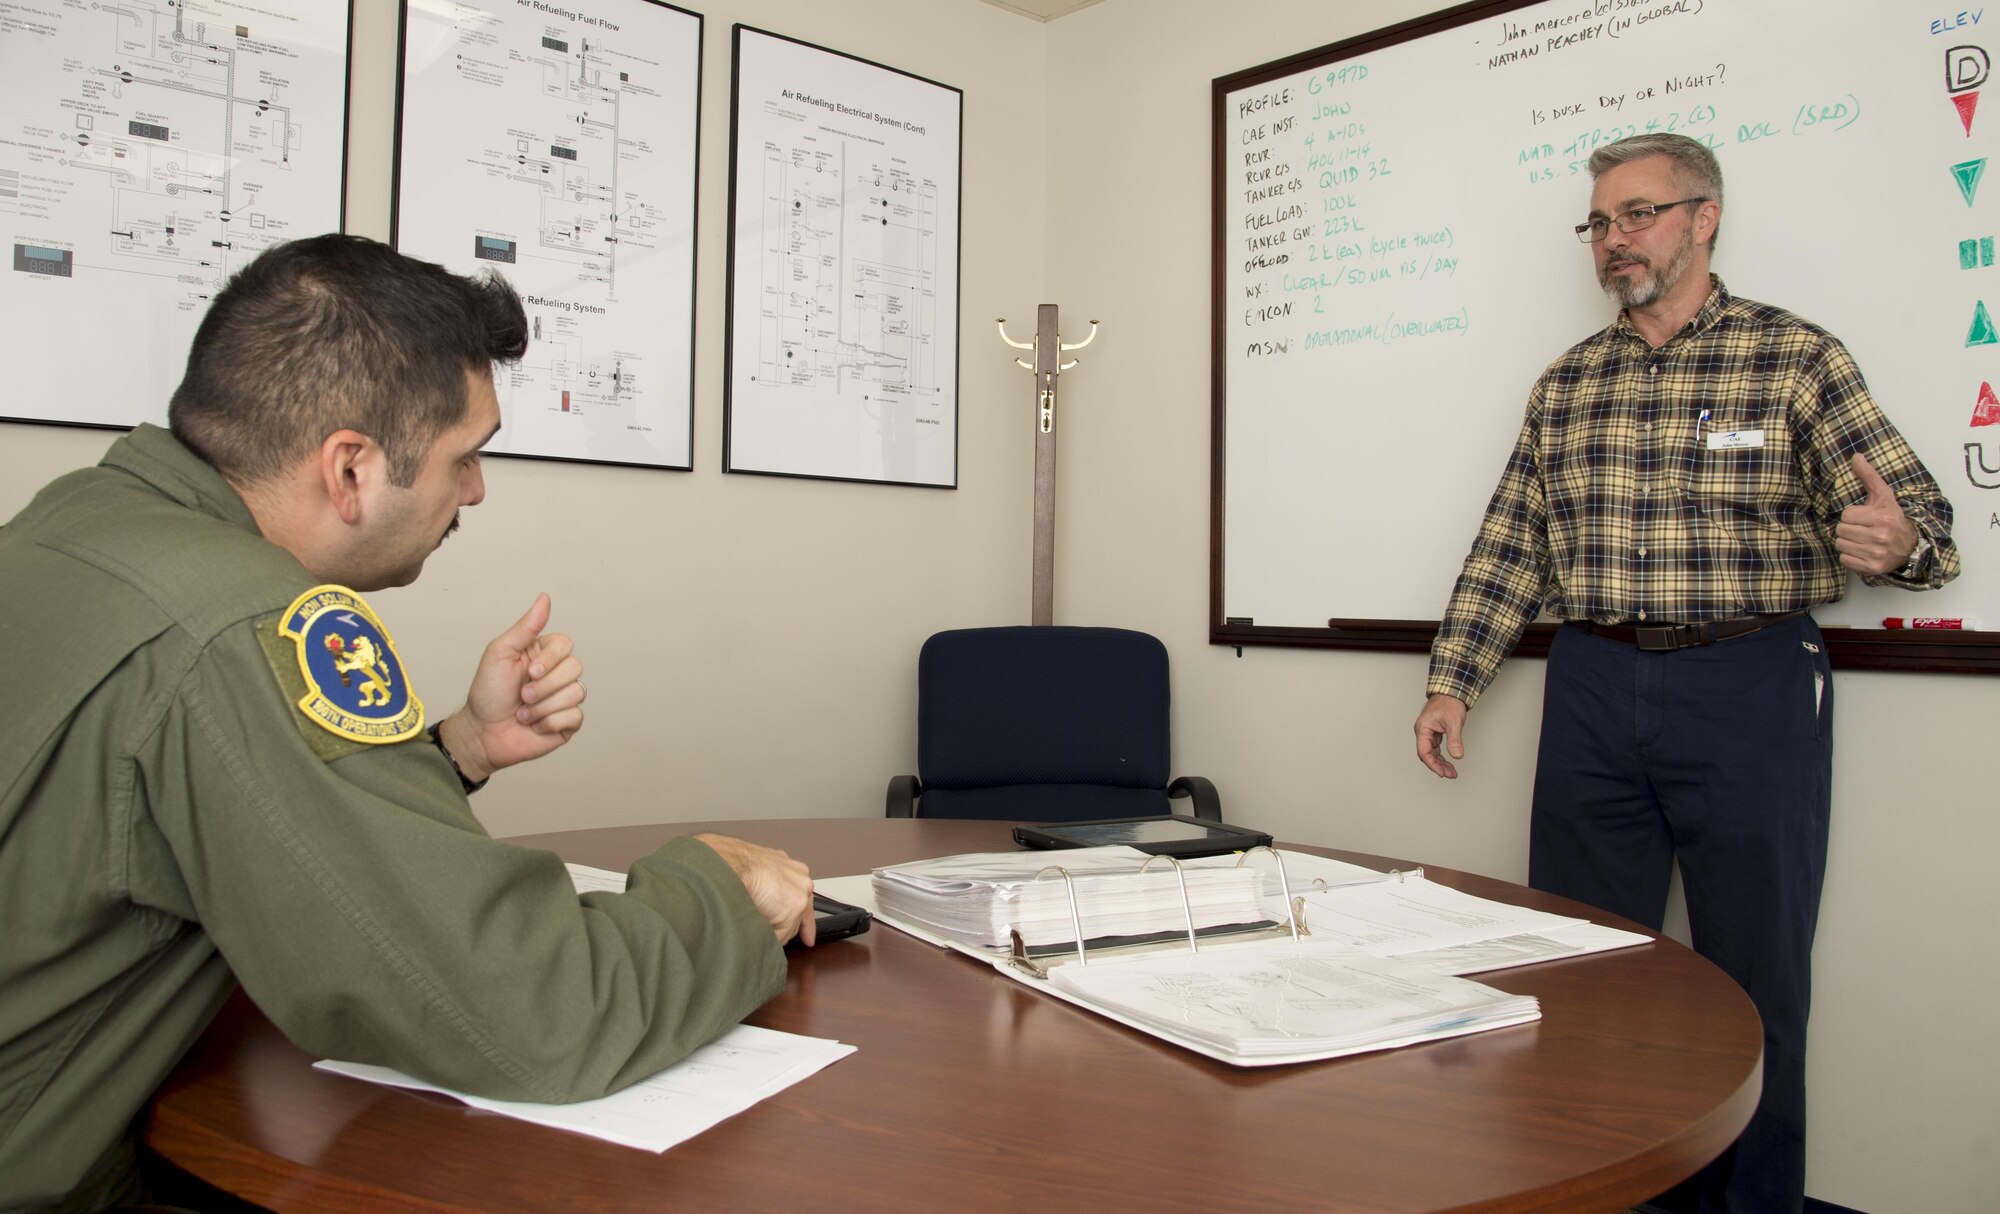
(162, 461)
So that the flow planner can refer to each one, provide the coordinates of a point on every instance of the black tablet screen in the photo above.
(1135, 834)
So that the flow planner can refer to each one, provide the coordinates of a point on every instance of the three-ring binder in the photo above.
(1380, 966)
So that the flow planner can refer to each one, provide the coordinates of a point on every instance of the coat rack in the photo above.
(1048, 348)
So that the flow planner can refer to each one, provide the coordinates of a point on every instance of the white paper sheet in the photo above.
(1290, 1002)
(716, 1082)
(1391, 918)
(587, 879)
(1528, 948)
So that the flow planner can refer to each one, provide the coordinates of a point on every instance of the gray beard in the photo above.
(1652, 286)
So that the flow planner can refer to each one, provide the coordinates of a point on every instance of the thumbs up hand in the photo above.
(1874, 536)
(526, 698)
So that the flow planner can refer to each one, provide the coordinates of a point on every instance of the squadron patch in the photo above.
(355, 684)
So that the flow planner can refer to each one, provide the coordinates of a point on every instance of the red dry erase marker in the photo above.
(1930, 621)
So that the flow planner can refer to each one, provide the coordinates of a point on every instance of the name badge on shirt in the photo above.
(1732, 440)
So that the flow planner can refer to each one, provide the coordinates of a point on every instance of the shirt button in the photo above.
(1640, 616)
(1654, 371)
(1647, 427)
(1642, 552)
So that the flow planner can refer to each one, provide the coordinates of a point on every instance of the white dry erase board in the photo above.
(1395, 264)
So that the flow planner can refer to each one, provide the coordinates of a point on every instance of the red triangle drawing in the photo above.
(1966, 103)
(1987, 411)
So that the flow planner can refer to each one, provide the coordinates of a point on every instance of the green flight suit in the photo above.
(167, 829)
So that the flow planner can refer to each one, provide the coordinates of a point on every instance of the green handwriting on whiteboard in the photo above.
(1391, 329)
(1547, 160)
(1416, 265)
(1835, 115)
(1345, 74)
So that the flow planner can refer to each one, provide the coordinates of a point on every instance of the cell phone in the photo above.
(836, 920)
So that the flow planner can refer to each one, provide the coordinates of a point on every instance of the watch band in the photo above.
(1919, 566)
(437, 740)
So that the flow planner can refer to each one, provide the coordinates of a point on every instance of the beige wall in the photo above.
(751, 641)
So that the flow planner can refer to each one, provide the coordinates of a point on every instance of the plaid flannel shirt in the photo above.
(1614, 507)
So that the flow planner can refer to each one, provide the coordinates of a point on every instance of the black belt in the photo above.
(1665, 638)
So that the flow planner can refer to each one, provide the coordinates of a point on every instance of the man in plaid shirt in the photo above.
(1688, 484)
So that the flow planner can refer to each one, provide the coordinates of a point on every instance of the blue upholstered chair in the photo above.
(1043, 725)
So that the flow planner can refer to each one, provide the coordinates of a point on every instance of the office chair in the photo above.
(1043, 724)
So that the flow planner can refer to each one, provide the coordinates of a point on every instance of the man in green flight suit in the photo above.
(213, 768)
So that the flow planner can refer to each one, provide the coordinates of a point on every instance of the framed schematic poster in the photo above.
(556, 144)
(843, 267)
(148, 151)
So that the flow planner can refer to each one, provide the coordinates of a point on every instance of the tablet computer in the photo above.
(1159, 835)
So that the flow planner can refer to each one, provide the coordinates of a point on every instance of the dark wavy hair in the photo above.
(334, 333)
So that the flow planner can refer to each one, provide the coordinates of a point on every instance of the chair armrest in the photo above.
(903, 794)
(1207, 802)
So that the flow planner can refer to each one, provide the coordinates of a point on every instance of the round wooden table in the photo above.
(971, 1091)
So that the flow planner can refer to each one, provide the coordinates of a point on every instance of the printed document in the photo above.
(1289, 1001)
(716, 1082)
(1402, 916)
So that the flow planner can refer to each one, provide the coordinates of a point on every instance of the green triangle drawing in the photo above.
(1982, 333)
(1968, 175)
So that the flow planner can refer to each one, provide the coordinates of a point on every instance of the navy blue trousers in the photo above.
(1720, 756)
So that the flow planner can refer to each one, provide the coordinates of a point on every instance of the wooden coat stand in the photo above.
(1048, 348)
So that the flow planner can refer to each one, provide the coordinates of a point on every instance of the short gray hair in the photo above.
(1695, 167)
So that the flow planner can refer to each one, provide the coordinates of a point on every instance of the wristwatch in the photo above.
(437, 740)
(1919, 568)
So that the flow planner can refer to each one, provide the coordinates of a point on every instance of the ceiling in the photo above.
(1042, 10)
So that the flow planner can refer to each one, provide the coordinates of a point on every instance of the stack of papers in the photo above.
(1290, 1001)
(979, 899)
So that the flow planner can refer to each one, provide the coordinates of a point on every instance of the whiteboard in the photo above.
(556, 146)
(1396, 264)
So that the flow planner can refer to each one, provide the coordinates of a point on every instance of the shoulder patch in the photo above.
(282, 653)
(355, 686)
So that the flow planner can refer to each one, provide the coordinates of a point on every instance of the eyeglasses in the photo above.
(1631, 221)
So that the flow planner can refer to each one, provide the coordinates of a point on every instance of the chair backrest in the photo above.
(1042, 724)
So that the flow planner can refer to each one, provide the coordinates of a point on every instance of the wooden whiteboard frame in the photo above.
(1849, 648)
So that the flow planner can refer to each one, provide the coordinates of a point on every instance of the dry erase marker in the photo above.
(1932, 621)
